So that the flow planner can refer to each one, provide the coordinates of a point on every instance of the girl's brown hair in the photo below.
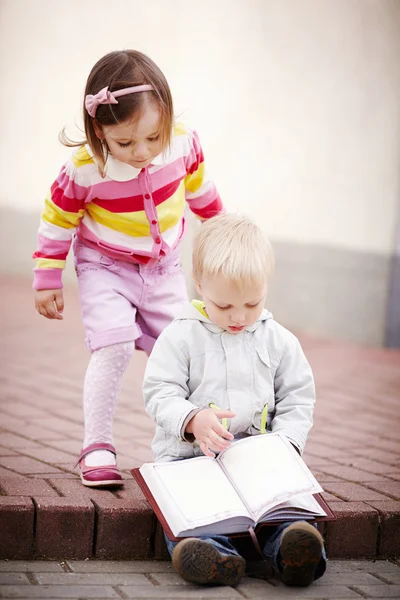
(119, 70)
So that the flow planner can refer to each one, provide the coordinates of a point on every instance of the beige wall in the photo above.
(296, 101)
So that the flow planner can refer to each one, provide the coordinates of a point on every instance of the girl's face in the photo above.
(135, 142)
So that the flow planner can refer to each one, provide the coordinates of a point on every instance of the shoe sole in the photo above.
(199, 562)
(301, 550)
(103, 483)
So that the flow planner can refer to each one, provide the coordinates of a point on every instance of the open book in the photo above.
(256, 480)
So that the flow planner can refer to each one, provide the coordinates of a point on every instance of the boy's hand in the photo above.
(209, 432)
(49, 303)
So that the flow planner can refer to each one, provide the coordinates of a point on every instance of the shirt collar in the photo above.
(196, 309)
(119, 171)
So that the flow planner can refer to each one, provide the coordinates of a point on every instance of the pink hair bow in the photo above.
(106, 97)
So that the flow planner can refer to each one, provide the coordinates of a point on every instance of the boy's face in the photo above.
(227, 306)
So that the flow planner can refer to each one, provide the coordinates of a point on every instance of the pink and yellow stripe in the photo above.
(141, 213)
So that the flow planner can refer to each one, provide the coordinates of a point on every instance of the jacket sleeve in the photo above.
(294, 395)
(165, 388)
(63, 209)
(201, 194)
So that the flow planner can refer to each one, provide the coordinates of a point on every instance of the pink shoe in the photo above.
(98, 476)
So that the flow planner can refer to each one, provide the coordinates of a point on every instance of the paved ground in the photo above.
(354, 448)
(123, 580)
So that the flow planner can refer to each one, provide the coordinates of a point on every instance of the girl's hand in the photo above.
(49, 303)
(209, 432)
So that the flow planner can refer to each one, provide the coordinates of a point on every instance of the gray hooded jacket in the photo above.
(194, 364)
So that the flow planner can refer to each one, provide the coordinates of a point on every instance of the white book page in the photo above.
(163, 499)
(287, 515)
(299, 507)
(225, 527)
(199, 490)
(266, 470)
(307, 503)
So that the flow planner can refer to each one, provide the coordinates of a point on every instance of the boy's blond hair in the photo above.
(235, 247)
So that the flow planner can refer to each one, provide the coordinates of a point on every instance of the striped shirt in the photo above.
(136, 215)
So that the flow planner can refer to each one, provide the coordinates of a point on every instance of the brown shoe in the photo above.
(301, 550)
(200, 562)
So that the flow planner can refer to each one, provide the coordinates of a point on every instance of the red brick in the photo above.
(26, 465)
(129, 450)
(316, 461)
(366, 464)
(353, 492)
(125, 463)
(143, 421)
(71, 446)
(10, 440)
(10, 423)
(160, 546)
(8, 452)
(70, 412)
(391, 488)
(340, 438)
(349, 473)
(330, 498)
(16, 527)
(36, 432)
(73, 488)
(131, 491)
(52, 456)
(21, 409)
(64, 528)
(6, 473)
(389, 542)
(328, 452)
(323, 478)
(380, 454)
(59, 425)
(136, 463)
(390, 445)
(57, 476)
(125, 528)
(354, 533)
(26, 487)
(142, 454)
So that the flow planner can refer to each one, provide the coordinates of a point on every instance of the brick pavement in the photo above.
(353, 449)
(155, 579)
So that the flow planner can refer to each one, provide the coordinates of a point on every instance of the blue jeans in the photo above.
(270, 550)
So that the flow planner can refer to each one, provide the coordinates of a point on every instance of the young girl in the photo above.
(121, 198)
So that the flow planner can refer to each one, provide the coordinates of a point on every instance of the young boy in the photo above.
(223, 370)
